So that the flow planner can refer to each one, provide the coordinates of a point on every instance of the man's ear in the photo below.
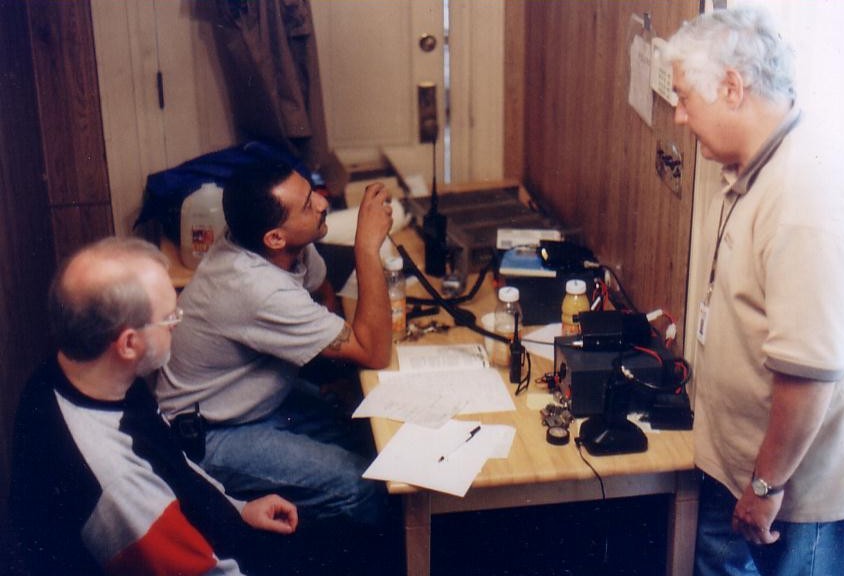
(275, 239)
(128, 345)
(734, 85)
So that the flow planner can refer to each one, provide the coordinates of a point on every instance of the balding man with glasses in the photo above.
(98, 485)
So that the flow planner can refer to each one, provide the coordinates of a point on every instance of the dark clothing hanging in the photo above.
(269, 57)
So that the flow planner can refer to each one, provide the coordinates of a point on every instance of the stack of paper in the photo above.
(434, 384)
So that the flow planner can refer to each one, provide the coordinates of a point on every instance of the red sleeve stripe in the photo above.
(171, 546)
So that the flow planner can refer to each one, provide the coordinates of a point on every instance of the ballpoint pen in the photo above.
(472, 433)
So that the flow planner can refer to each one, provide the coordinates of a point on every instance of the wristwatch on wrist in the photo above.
(762, 488)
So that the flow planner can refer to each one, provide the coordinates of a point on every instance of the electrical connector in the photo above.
(671, 332)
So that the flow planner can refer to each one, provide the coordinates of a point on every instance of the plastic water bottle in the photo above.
(396, 289)
(574, 302)
(202, 222)
(505, 322)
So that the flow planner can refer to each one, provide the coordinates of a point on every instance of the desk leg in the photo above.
(682, 525)
(417, 533)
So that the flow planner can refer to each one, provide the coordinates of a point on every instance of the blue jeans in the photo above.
(306, 453)
(803, 549)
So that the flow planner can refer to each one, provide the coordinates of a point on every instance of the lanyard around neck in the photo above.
(722, 226)
(748, 179)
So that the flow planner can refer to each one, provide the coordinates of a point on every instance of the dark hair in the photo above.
(250, 208)
(86, 319)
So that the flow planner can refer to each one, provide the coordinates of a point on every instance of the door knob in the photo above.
(427, 43)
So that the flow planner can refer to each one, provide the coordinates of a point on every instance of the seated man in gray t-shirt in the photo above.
(250, 323)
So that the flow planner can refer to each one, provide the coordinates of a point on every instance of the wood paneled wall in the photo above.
(587, 156)
(54, 193)
(71, 121)
(26, 251)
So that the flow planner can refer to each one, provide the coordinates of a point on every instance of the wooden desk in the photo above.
(180, 274)
(539, 473)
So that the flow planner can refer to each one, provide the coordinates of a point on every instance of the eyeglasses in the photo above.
(171, 319)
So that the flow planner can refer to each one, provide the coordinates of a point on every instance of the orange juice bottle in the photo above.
(574, 302)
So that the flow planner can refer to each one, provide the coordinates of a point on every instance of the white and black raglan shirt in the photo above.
(99, 487)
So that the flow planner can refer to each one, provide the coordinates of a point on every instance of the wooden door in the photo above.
(371, 63)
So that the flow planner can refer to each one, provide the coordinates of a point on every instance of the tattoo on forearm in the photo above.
(342, 337)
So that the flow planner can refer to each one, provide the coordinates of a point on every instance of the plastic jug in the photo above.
(202, 222)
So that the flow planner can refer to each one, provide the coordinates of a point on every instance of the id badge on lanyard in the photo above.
(703, 310)
(702, 321)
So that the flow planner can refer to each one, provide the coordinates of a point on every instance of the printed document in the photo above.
(425, 392)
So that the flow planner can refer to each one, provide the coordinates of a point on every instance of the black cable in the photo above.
(579, 443)
(457, 299)
(523, 384)
(461, 317)
(687, 369)
(532, 341)
(627, 373)
(628, 302)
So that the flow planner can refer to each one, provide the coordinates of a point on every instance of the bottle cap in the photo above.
(509, 294)
(394, 264)
(576, 287)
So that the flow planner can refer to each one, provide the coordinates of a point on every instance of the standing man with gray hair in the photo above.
(98, 485)
(769, 399)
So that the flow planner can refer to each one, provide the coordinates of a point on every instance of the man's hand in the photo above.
(798, 406)
(375, 218)
(272, 513)
(368, 341)
(753, 516)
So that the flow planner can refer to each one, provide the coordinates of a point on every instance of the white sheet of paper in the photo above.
(640, 96)
(441, 358)
(504, 439)
(409, 399)
(484, 390)
(429, 399)
(414, 455)
(544, 334)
